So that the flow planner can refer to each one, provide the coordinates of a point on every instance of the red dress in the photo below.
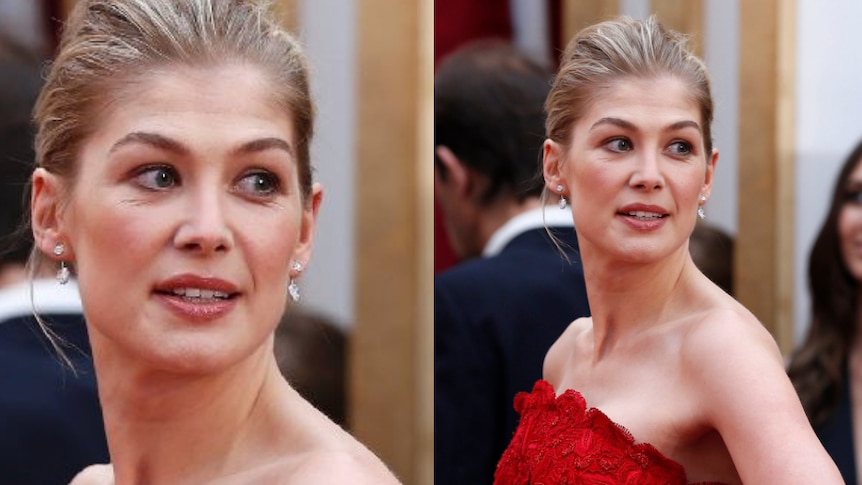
(560, 441)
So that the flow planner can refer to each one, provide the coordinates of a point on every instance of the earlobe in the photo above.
(45, 213)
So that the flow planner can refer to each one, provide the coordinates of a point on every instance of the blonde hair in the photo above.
(109, 44)
(602, 54)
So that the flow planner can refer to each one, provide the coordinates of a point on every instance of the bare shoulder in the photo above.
(338, 467)
(727, 353)
(730, 332)
(94, 475)
(558, 355)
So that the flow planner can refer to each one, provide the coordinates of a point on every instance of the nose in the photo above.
(647, 173)
(204, 228)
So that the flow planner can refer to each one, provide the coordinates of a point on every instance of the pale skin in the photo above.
(850, 235)
(667, 354)
(185, 184)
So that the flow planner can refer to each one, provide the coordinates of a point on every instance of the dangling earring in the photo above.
(563, 203)
(293, 288)
(700, 211)
(63, 273)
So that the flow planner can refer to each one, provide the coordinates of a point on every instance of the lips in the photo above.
(195, 286)
(644, 217)
(644, 211)
(197, 298)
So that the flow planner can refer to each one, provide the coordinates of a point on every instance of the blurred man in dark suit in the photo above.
(497, 313)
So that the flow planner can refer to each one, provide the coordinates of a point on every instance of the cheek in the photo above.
(269, 242)
(114, 232)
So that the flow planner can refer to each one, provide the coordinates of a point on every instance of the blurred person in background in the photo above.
(311, 352)
(48, 408)
(496, 313)
(712, 252)
(827, 368)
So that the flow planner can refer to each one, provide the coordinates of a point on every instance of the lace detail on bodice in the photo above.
(561, 441)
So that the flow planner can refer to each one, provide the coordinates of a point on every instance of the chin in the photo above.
(195, 356)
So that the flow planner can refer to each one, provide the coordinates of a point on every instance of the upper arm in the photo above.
(738, 373)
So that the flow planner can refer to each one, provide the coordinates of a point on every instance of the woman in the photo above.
(827, 368)
(670, 380)
(174, 180)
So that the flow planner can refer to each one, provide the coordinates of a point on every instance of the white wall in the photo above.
(328, 30)
(828, 119)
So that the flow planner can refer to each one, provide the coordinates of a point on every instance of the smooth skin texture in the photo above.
(191, 173)
(667, 354)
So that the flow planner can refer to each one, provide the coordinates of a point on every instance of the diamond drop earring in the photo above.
(701, 213)
(63, 274)
(293, 291)
(292, 287)
(563, 203)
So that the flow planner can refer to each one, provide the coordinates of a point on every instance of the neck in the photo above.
(627, 298)
(495, 215)
(142, 407)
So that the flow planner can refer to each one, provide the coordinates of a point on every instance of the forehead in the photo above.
(214, 103)
(228, 86)
(646, 100)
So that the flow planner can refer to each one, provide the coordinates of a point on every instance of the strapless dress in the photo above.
(560, 441)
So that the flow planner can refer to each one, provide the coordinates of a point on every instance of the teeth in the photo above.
(199, 293)
(644, 215)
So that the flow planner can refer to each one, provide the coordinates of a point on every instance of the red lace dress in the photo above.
(559, 441)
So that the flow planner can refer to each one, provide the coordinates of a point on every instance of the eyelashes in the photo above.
(254, 183)
(621, 144)
(853, 195)
(156, 177)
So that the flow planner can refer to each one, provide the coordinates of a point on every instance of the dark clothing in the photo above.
(50, 419)
(836, 434)
(494, 320)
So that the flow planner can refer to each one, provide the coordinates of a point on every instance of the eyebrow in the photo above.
(152, 139)
(263, 144)
(630, 126)
(169, 144)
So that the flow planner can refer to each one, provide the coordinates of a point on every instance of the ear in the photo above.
(302, 252)
(46, 204)
(706, 188)
(553, 156)
(457, 178)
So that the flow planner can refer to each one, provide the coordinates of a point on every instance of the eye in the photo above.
(853, 196)
(680, 147)
(259, 184)
(619, 144)
(157, 177)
